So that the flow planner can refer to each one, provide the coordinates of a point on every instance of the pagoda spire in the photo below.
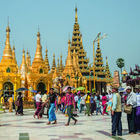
(53, 64)
(46, 60)
(38, 54)
(69, 59)
(13, 54)
(27, 58)
(107, 70)
(7, 53)
(58, 66)
(23, 59)
(61, 65)
(76, 17)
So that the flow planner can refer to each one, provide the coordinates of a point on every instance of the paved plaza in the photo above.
(87, 128)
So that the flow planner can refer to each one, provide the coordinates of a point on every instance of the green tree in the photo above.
(120, 63)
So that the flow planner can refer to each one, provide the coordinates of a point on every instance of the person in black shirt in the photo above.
(52, 99)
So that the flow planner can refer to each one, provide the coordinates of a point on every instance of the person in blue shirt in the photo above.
(92, 103)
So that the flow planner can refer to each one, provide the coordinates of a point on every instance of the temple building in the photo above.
(133, 77)
(38, 75)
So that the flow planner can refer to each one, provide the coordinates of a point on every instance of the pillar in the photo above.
(15, 88)
(90, 86)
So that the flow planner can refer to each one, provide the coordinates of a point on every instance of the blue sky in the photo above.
(118, 18)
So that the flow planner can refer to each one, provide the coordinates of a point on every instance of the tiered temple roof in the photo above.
(77, 47)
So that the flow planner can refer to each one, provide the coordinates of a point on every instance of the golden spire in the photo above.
(38, 54)
(55, 74)
(76, 15)
(46, 60)
(7, 53)
(69, 59)
(61, 65)
(23, 59)
(106, 61)
(53, 65)
(58, 67)
(27, 58)
(13, 54)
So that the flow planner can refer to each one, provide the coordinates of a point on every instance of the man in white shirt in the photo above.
(76, 100)
(38, 104)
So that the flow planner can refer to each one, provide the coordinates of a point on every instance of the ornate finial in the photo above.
(69, 41)
(8, 29)
(76, 14)
(46, 50)
(38, 34)
(23, 51)
(13, 47)
(53, 55)
(61, 55)
(27, 52)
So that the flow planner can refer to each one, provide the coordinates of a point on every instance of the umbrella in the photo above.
(80, 88)
(21, 89)
(34, 91)
(65, 89)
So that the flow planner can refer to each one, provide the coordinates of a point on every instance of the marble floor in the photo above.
(87, 128)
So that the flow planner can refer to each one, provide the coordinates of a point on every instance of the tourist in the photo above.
(10, 100)
(87, 102)
(131, 100)
(104, 101)
(70, 102)
(63, 99)
(82, 102)
(122, 100)
(44, 98)
(59, 102)
(137, 119)
(38, 104)
(34, 98)
(98, 106)
(52, 99)
(76, 100)
(92, 103)
(2, 107)
(116, 113)
(19, 103)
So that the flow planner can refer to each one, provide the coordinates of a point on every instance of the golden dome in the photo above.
(124, 72)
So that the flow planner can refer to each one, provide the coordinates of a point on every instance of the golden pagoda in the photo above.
(9, 76)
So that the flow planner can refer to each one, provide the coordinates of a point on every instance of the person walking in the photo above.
(38, 104)
(44, 98)
(104, 101)
(82, 102)
(10, 100)
(87, 102)
(92, 103)
(116, 112)
(52, 99)
(19, 104)
(70, 102)
(131, 101)
(98, 106)
(137, 119)
(2, 107)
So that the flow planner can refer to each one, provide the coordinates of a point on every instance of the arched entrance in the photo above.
(8, 88)
(41, 86)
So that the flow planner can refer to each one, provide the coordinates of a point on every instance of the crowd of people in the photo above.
(89, 103)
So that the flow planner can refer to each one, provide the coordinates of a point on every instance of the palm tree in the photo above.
(120, 63)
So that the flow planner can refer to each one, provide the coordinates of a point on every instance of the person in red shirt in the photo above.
(70, 102)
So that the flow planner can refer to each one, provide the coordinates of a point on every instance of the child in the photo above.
(98, 106)
(10, 104)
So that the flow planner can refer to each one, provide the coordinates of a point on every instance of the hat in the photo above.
(128, 87)
(137, 86)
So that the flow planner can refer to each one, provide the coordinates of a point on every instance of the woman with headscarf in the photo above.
(104, 101)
